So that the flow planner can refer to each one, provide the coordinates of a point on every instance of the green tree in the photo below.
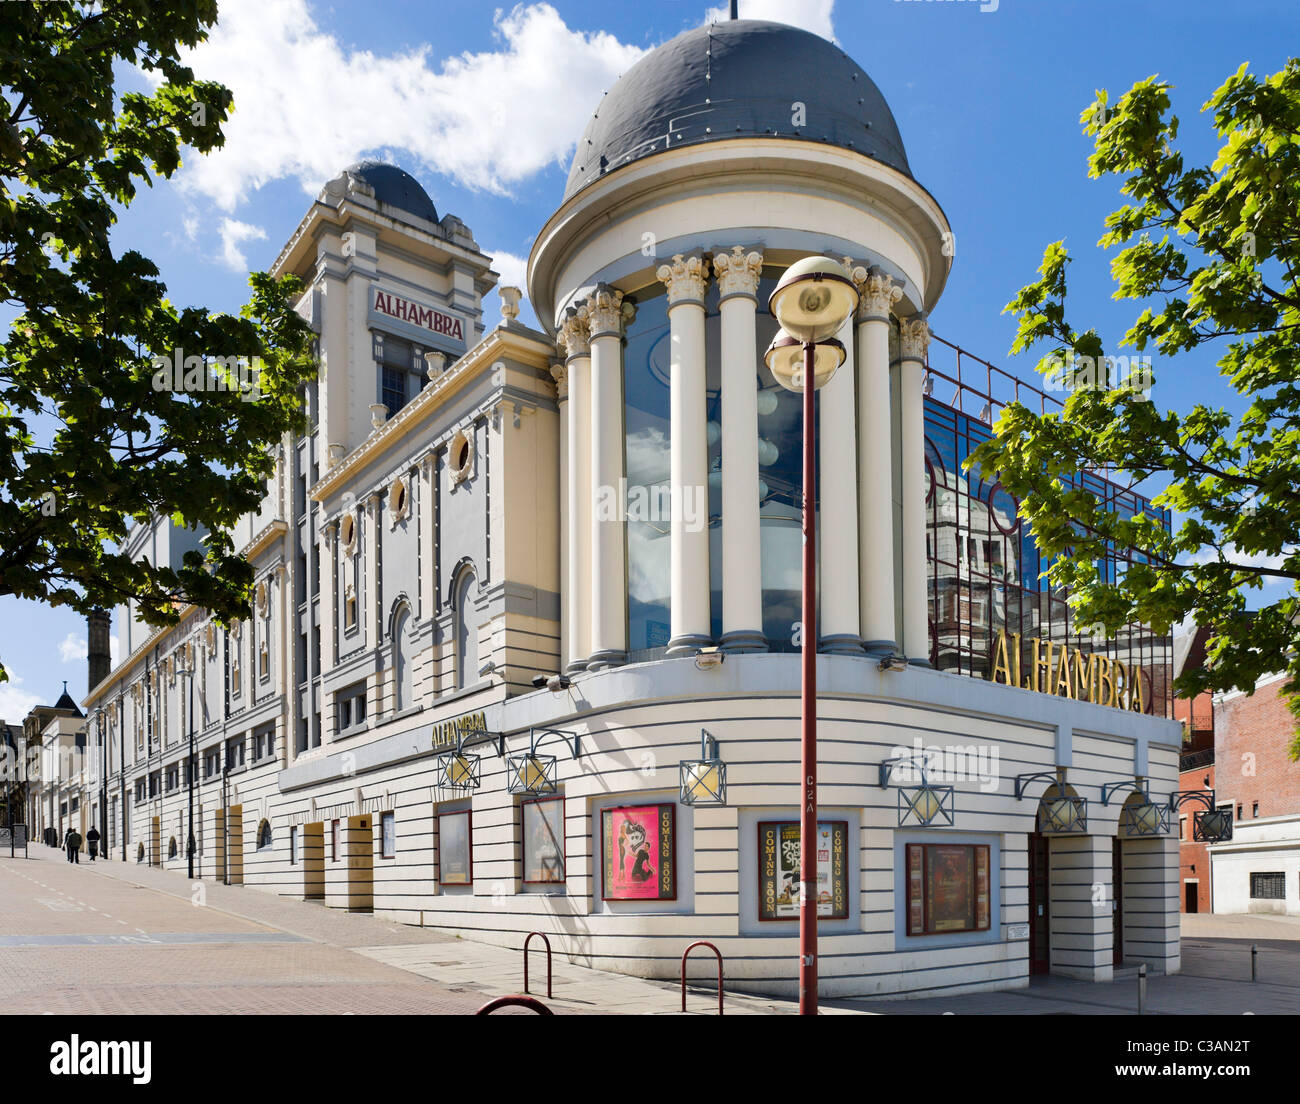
(1210, 254)
(73, 152)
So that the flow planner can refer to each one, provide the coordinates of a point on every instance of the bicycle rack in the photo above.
(524, 1002)
(702, 943)
(528, 939)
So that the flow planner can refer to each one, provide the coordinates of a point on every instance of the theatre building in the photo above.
(524, 644)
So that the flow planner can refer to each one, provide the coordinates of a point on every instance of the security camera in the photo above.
(708, 658)
(893, 663)
(553, 683)
(487, 669)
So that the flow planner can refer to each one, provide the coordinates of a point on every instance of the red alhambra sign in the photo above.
(416, 314)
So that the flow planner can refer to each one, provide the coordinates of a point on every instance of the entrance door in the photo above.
(1189, 896)
(1117, 900)
(1039, 906)
(359, 845)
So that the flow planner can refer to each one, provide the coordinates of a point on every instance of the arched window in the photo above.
(466, 630)
(402, 659)
(139, 853)
(264, 835)
(171, 848)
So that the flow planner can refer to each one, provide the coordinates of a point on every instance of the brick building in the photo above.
(1259, 869)
(1196, 771)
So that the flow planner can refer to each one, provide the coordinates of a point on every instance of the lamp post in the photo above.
(811, 302)
(188, 672)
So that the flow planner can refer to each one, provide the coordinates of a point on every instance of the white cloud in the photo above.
(233, 234)
(15, 703)
(811, 15)
(73, 648)
(306, 105)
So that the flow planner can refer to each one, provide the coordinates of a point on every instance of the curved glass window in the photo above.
(649, 507)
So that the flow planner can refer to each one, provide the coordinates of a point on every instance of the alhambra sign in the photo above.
(1070, 673)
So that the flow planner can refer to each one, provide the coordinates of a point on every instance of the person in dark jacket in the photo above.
(72, 841)
(92, 841)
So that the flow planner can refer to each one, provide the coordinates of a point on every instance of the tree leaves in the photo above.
(1210, 254)
(91, 323)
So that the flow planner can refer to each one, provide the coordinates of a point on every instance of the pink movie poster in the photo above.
(639, 853)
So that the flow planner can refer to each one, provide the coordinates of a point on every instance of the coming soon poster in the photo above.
(778, 870)
(639, 853)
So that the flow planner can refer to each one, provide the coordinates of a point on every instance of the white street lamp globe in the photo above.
(784, 358)
(814, 299)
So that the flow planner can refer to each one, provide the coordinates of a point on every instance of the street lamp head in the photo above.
(814, 298)
(784, 359)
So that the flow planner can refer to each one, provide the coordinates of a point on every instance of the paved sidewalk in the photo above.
(119, 938)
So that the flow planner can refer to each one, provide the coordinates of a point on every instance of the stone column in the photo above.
(329, 600)
(371, 567)
(915, 338)
(608, 534)
(575, 334)
(837, 518)
(877, 294)
(428, 537)
(561, 376)
(738, 273)
(688, 453)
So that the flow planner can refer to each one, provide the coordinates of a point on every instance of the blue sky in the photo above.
(483, 105)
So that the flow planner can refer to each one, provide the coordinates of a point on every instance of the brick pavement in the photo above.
(329, 961)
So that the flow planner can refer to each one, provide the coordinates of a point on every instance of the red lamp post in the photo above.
(812, 301)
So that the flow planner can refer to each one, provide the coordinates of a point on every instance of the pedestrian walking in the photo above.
(92, 840)
(73, 843)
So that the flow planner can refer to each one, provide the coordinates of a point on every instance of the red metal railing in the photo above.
(528, 939)
(702, 943)
(523, 1002)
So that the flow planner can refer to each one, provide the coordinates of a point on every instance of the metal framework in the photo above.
(921, 805)
(533, 773)
(703, 781)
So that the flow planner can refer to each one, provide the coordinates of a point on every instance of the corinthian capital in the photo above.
(560, 374)
(877, 292)
(685, 278)
(737, 272)
(575, 331)
(914, 338)
(606, 306)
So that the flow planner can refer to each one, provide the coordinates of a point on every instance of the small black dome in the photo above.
(744, 78)
(65, 702)
(396, 188)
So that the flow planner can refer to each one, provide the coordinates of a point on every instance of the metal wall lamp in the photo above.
(1062, 815)
(1145, 819)
(921, 805)
(458, 770)
(1210, 825)
(703, 781)
(533, 773)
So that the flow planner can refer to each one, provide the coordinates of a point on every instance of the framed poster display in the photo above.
(778, 870)
(639, 848)
(948, 888)
(543, 840)
(455, 849)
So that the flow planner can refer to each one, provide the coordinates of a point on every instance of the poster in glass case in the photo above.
(639, 848)
(778, 870)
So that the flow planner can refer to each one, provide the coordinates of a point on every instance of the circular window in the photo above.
(461, 457)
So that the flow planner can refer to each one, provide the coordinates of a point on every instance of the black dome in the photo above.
(396, 188)
(738, 79)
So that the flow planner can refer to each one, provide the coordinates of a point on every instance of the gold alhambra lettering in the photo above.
(1067, 672)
